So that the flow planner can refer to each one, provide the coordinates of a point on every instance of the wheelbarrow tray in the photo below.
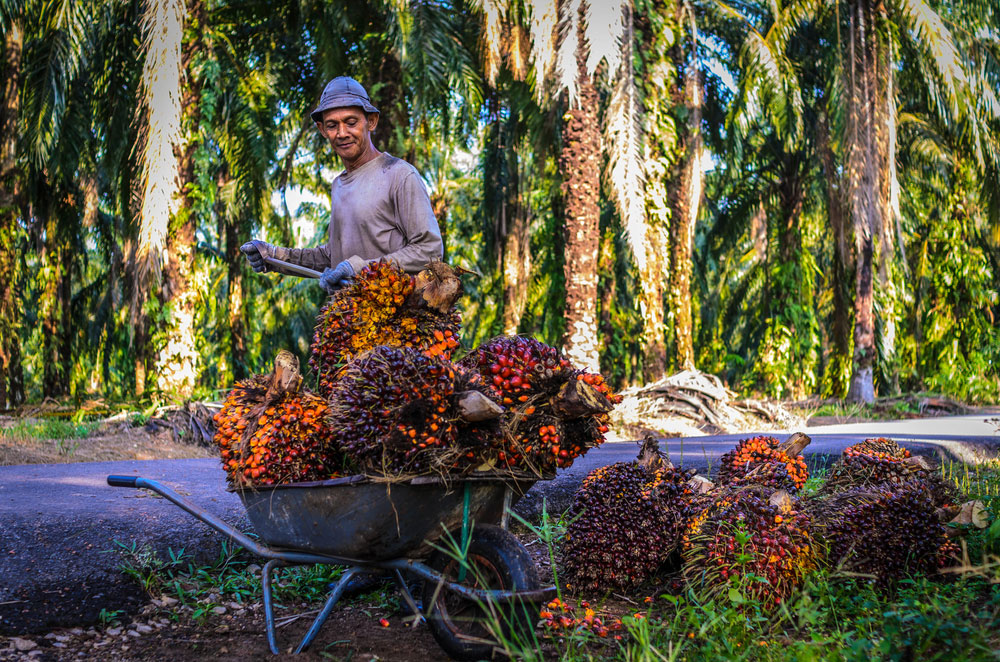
(358, 518)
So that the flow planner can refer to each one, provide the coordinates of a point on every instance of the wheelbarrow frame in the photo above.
(292, 557)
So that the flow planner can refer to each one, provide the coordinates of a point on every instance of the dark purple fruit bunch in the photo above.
(534, 382)
(881, 461)
(887, 531)
(750, 538)
(763, 461)
(392, 408)
(626, 520)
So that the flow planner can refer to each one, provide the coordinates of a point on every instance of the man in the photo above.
(379, 204)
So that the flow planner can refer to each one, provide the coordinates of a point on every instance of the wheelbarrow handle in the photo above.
(296, 269)
(221, 526)
(122, 481)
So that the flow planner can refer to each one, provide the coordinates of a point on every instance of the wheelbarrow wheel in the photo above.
(465, 628)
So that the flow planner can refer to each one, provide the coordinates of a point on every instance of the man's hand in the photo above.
(336, 277)
(256, 250)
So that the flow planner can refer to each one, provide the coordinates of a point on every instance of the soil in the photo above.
(353, 632)
(113, 441)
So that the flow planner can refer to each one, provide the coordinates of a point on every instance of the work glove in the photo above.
(336, 277)
(256, 250)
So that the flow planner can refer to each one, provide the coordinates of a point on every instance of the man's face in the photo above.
(348, 130)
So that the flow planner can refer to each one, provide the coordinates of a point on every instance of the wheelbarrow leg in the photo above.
(408, 597)
(268, 604)
(335, 594)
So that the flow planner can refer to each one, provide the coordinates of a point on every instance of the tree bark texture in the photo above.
(843, 264)
(53, 303)
(580, 163)
(515, 227)
(686, 198)
(11, 380)
(863, 183)
(235, 301)
(178, 363)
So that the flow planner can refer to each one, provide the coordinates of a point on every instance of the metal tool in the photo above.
(296, 269)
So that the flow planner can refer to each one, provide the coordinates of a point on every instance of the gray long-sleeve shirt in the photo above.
(380, 210)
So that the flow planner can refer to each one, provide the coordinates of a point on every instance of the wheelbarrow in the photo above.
(376, 526)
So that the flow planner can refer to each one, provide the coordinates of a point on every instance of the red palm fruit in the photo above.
(761, 461)
(625, 521)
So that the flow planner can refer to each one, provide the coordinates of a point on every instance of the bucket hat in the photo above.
(343, 92)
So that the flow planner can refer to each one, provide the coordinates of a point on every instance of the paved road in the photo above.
(62, 527)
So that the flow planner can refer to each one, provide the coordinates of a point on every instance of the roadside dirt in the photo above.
(352, 633)
(118, 441)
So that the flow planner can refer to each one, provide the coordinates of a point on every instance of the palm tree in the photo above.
(163, 29)
(11, 379)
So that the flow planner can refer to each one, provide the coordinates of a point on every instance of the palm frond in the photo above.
(544, 21)
(623, 143)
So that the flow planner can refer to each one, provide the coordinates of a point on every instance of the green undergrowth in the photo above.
(50, 429)
(952, 616)
(233, 576)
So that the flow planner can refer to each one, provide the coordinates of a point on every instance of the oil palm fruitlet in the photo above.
(766, 461)
(626, 520)
(886, 531)
(270, 431)
(386, 306)
(751, 538)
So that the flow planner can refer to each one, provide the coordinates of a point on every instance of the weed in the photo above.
(109, 618)
(50, 429)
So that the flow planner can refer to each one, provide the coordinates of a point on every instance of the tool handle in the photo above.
(296, 269)
(122, 481)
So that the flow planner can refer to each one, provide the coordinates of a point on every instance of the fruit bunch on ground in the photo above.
(886, 531)
(752, 539)
(553, 413)
(765, 461)
(383, 305)
(625, 522)
(880, 462)
(271, 432)
(395, 411)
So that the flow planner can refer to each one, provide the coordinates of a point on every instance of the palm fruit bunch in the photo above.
(767, 462)
(272, 434)
(751, 537)
(383, 305)
(876, 461)
(625, 522)
(554, 413)
(886, 531)
(394, 410)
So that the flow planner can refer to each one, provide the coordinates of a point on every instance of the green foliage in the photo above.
(50, 429)
(765, 266)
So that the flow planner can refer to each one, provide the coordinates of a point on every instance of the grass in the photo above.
(50, 429)
(233, 576)
(953, 617)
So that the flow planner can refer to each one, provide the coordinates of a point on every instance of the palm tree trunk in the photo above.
(11, 381)
(686, 198)
(515, 226)
(654, 352)
(580, 163)
(53, 301)
(840, 331)
(178, 362)
(863, 184)
(235, 301)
